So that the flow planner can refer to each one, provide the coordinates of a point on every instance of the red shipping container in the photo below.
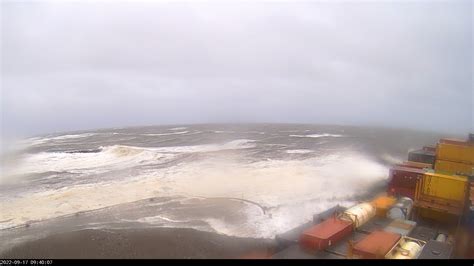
(325, 234)
(376, 245)
(414, 165)
(405, 177)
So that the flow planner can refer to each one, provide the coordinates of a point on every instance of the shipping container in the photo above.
(295, 252)
(325, 234)
(405, 176)
(445, 193)
(402, 227)
(455, 153)
(424, 233)
(436, 250)
(429, 148)
(374, 224)
(422, 156)
(382, 204)
(449, 167)
(414, 165)
(341, 248)
(455, 141)
(292, 236)
(406, 248)
(375, 245)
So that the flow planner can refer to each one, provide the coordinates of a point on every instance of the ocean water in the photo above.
(241, 180)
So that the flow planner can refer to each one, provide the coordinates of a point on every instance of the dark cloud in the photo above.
(79, 65)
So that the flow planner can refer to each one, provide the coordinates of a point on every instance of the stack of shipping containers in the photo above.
(437, 182)
(443, 195)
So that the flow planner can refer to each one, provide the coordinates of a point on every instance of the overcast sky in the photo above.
(80, 65)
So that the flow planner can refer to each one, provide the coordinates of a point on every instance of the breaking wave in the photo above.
(318, 135)
(113, 157)
(292, 190)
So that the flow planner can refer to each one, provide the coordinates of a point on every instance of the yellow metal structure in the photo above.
(450, 187)
(445, 193)
(455, 153)
(454, 167)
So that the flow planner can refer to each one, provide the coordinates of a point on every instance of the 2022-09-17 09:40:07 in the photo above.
(26, 262)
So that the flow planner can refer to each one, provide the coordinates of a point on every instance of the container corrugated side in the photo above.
(342, 247)
(449, 167)
(450, 187)
(376, 245)
(455, 141)
(455, 153)
(446, 193)
(422, 156)
(325, 234)
(414, 165)
(405, 176)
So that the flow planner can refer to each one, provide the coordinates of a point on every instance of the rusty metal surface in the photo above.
(377, 244)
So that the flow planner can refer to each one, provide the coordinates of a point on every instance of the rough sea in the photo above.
(252, 180)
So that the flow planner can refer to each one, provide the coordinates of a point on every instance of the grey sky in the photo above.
(73, 65)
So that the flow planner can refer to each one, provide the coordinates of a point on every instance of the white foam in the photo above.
(177, 128)
(318, 135)
(110, 158)
(41, 140)
(165, 134)
(391, 159)
(223, 131)
(293, 190)
(300, 151)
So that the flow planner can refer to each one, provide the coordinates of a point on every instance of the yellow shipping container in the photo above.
(382, 204)
(455, 153)
(449, 187)
(454, 167)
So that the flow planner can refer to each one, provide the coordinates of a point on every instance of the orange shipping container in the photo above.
(325, 234)
(376, 245)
